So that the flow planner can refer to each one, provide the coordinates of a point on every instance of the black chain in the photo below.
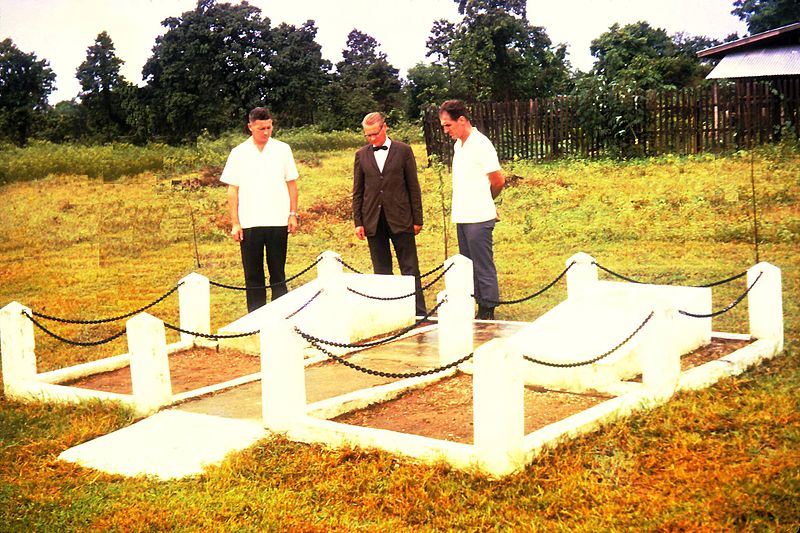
(208, 335)
(595, 359)
(104, 320)
(287, 280)
(348, 266)
(712, 284)
(731, 306)
(69, 341)
(428, 273)
(492, 303)
(381, 373)
(389, 298)
(385, 340)
(290, 315)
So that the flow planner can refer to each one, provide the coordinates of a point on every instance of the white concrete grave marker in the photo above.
(147, 345)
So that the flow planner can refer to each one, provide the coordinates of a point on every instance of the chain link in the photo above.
(69, 341)
(287, 280)
(594, 359)
(409, 295)
(492, 303)
(372, 372)
(113, 319)
(712, 284)
(725, 310)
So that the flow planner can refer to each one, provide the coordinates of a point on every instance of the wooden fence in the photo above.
(712, 119)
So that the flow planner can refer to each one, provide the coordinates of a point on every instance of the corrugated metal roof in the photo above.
(777, 61)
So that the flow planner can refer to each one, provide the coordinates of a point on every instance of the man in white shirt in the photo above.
(262, 199)
(477, 181)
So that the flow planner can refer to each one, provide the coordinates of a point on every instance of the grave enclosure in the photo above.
(634, 330)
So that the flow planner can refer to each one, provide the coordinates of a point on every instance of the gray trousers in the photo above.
(475, 243)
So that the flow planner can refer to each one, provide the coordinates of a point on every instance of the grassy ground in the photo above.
(725, 458)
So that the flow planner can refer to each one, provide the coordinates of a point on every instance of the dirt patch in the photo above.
(189, 370)
(442, 410)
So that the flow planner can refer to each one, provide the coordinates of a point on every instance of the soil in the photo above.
(442, 410)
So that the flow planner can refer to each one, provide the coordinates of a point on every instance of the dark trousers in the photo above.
(405, 247)
(475, 243)
(274, 240)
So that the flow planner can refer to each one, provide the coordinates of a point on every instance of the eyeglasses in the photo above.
(368, 135)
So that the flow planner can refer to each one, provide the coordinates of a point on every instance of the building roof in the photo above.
(758, 63)
(785, 35)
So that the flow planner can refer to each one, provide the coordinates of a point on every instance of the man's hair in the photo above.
(259, 113)
(454, 108)
(373, 118)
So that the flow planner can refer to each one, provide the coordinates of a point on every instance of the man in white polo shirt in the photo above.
(477, 181)
(262, 199)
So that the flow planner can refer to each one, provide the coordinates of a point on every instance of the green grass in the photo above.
(721, 459)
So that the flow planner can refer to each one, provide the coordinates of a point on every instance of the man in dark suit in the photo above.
(387, 202)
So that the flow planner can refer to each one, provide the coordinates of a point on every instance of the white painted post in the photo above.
(335, 322)
(194, 297)
(283, 381)
(498, 408)
(661, 353)
(147, 345)
(455, 316)
(16, 345)
(765, 303)
(582, 276)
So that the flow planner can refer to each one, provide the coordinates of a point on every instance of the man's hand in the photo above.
(417, 229)
(292, 224)
(237, 233)
(360, 232)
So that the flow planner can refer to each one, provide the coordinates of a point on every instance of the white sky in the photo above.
(60, 31)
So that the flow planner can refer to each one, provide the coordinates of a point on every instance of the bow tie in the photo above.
(376, 148)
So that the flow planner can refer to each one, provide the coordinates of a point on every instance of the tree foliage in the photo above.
(25, 84)
(207, 70)
(101, 84)
(298, 74)
(763, 15)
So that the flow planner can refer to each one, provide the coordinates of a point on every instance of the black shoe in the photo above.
(485, 313)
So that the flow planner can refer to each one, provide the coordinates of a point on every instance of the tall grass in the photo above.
(722, 459)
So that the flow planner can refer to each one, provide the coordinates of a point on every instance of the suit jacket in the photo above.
(396, 189)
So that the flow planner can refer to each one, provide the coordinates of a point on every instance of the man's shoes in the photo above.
(485, 313)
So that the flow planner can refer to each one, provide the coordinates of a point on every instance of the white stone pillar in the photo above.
(16, 345)
(194, 296)
(765, 303)
(455, 316)
(498, 408)
(147, 346)
(283, 381)
(660, 352)
(334, 303)
(582, 276)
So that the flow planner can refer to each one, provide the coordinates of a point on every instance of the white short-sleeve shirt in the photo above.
(472, 163)
(261, 178)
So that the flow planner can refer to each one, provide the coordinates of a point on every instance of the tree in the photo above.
(207, 71)
(365, 81)
(427, 85)
(494, 53)
(763, 15)
(100, 89)
(25, 84)
(638, 55)
(297, 74)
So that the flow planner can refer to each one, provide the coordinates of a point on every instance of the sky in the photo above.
(61, 31)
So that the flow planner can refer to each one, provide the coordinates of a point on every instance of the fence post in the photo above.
(456, 314)
(283, 382)
(334, 302)
(660, 355)
(582, 276)
(16, 345)
(498, 407)
(765, 304)
(147, 346)
(194, 297)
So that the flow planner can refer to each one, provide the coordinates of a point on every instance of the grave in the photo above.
(637, 329)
